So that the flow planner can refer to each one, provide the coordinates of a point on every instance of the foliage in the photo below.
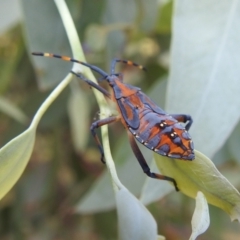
(202, 81)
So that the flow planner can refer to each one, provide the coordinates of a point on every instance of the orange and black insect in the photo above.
(143, 119)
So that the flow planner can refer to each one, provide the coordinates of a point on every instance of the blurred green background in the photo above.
(41, 205)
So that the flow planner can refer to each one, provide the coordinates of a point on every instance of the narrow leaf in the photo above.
(200, 219)
(11, 110)
(134, 220)
(233, 144)
(10, 14)
(78, 110)
(202, 175)
(100, 197)
(45, 32)
(204, 78)
(15, 155)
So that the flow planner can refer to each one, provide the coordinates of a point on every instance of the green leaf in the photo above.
(200, 219)
(204, 77)
(10, 14)
(12, 111)
(78, 111)
(148, 16)
(164, 21)
(233, 143)
(202, 175)
(134, 220)
(15, 155)
(45, 32)
(96, 43)
(137, 12)
(99, 198)
(222, 155)
(115, 12)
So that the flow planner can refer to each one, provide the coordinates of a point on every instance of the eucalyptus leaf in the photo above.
(78, 111)
(15, 155)
(10, 14)
(45, 32)
(96, 43)
(149, 14)
(204, 77)
(200, 219)
(134, 220)
(99, 198)
(137, 12)
(233, 144)
(202, 175)
(164, 20)
(13, 111)
(222, 155)
(116, 11)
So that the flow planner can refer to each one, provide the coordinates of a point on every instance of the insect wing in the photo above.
(129, 112)
(149, 103)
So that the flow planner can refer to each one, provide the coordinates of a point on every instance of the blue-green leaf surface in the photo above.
(44, 32)
(15, 155)
(202, 175)
(10, 14)
(200, 219)
(205, 60)
(13, 111)
(134, 220)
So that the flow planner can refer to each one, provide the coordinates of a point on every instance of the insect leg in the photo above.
(144, 164)
(98, 124)
(93, 84)
(183, 118)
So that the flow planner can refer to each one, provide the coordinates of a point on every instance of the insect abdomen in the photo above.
(163, 135)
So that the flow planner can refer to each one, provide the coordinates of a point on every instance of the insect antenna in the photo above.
(65, 58)
(115, 61)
